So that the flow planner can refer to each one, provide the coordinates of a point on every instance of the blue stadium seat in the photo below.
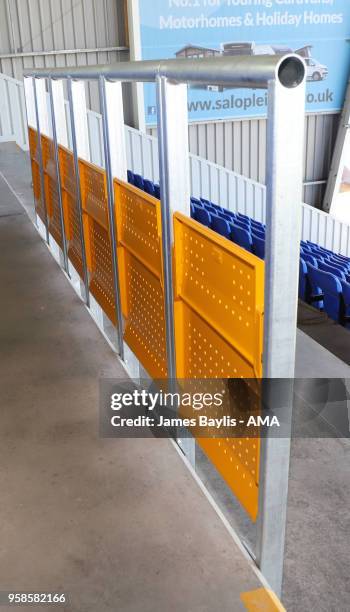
(241, 223)
(196, 202)
(139, 182)
(149, 187)
(310, 259)
(258, 245)
(205, 201)
(345, 311)
(225, 216)
(331, 269)
(217, 207)
(202, 216)
(157, 191)
(130, 177)
(230, 214)
(244, 217)
(303, 280)
(221, 226)
(331, 288)
(193, 211)
(339, 262)
(260, 233)
(242, 237)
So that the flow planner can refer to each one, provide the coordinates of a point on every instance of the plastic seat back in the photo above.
(310, 259)
(314, 294)
(258, 245)
(221, 226)
(331, 269)
(149, 187)
(139, 182)
(225, 216)
(302, 280)
(242, 237)
(331, 288)
(130, 177)
(196, 202)
(345, 311)
(202, 216)
(156, 191)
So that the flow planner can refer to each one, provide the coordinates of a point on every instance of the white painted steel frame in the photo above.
(286, 84)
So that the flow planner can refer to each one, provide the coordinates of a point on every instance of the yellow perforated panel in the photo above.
(144, 312)
(70, 207)
(219, 321)
(139, 238)
(33, 142)
(97, 239)
(51, 190)
(33, 150)
(100, 266)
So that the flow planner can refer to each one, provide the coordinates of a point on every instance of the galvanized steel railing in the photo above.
(284, 78)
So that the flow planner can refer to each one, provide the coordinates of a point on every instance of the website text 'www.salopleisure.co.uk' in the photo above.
(252, 101)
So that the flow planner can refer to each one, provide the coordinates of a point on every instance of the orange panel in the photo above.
(97, 239)
(67, 170)
(145, 324)
(219, 291)
(33, 142)
(94, 192)
(33, 150)
(141, 275)
(70, 208)
(100, 266)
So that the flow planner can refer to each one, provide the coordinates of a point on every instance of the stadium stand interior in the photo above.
(324, 280)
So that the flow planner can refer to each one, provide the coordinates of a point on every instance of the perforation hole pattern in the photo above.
(101, 285)
(94, 193)
(67, 171)
(221, 287)
(139, 226)
(145, 328)
(218, 336)
(47, 152)
(74, 249)
(55, 216)
(33, 142)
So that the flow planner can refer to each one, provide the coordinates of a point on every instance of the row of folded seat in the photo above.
(148, 186)
(237, 227)
(324, 281)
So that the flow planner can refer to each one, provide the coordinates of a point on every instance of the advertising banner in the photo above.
(318, 30)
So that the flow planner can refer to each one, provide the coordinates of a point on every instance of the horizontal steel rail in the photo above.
(252, 71)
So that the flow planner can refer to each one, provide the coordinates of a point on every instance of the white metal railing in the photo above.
(209, 180)
(13, 123)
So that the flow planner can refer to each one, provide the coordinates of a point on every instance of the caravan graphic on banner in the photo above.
(317, 30)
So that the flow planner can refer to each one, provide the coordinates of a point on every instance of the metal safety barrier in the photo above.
(219, 303)
(185, 302)
(141, 276)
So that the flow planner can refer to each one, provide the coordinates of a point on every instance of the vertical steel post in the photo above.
(40, 160)
(58, 175)
(78, 190)
(174, 188)
(175, 195)
(111, 215)
(284, 194)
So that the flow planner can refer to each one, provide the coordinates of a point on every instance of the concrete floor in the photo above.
(75, 506)
(115, 524)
